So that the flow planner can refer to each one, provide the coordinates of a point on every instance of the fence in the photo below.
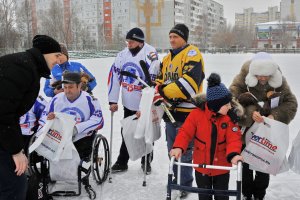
(113, 53)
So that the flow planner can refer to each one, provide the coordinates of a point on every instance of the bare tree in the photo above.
(118, 40)
(81, 36)
(7, 24)
(285, 34)
(224, 37)
(23, 22)
(243, 37)
(76, 32)
(101, 36)
(201, 32)
(199, 36)
(52, 22)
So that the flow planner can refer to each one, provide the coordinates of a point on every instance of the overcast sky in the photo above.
(236, 6)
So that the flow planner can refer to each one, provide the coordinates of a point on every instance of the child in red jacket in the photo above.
(217, 137)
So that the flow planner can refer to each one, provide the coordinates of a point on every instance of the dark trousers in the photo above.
(123, 154)
(219, 182)
(256, 185)
(12, 187)
(84, 146)
(26, 140)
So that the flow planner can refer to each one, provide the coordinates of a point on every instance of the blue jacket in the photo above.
(57, 72)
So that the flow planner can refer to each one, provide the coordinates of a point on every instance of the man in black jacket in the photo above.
(20, 75)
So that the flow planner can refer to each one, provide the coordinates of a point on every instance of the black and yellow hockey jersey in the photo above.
(182, 75)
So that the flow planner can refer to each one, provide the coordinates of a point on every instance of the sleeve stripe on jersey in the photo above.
(97, 125)
(185, 87)
(91, 106)
(51, 109)
(185, 105)
(191, 81)
(110, 80)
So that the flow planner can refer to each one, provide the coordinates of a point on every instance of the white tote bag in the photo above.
(145, 109)
(267, 147)
(54, 135)
(148, 125)
(66, 169)
(294, 157)
(136, 147)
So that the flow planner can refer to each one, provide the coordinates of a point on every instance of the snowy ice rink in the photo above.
(128, 185)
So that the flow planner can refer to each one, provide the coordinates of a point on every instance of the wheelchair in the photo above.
(94, 159)
(176, 186)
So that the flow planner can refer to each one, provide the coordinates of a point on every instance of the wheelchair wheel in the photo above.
(37, 163)
(100, 159)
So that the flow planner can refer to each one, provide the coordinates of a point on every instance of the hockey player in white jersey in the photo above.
(83, 106)
(29, 121)
(129, 60)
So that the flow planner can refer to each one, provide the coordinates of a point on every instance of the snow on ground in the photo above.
(128, 185)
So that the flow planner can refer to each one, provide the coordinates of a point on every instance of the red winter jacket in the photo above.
(211, 146)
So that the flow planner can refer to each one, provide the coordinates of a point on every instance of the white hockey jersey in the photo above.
(30, 119)
(85, 109)
(131, 87)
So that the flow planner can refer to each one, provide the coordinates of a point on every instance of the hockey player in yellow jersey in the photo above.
(180, 78)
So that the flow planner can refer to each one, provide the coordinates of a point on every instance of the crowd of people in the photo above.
(209, 125)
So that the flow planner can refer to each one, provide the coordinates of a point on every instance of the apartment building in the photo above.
(108, 21)
(249, 18)
(156, 18)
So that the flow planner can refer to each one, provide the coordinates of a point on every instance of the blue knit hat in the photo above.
(217, 95)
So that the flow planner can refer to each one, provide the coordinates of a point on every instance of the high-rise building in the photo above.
(249, 18)
(91, 14)
(108, 21)
(156, 18)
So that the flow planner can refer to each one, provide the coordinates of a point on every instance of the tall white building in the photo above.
(108, 21)
(157, 17)
(120, 17)
(215, 20)
(249, 18)
(90, 14)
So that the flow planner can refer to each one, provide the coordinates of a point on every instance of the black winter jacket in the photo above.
(20, 75)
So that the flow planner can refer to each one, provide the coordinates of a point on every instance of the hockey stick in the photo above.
(163, 105)
(148, 77)
(146, 72)
(110, 152)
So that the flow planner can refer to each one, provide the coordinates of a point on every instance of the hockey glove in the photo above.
(152, 56)
(157, 99)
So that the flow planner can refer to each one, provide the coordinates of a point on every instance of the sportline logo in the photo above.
(55, 134)
(263, 141)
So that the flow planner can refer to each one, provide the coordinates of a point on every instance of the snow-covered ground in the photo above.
(128, 185)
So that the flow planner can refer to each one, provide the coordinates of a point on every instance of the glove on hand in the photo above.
(157, 99)
(152, 56)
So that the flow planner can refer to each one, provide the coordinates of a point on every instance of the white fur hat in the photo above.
(262, 64)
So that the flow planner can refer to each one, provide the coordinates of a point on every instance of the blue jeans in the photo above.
(12, 187)
(186, 172)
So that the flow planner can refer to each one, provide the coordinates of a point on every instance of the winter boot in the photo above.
(183, 194)
(119, 168)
